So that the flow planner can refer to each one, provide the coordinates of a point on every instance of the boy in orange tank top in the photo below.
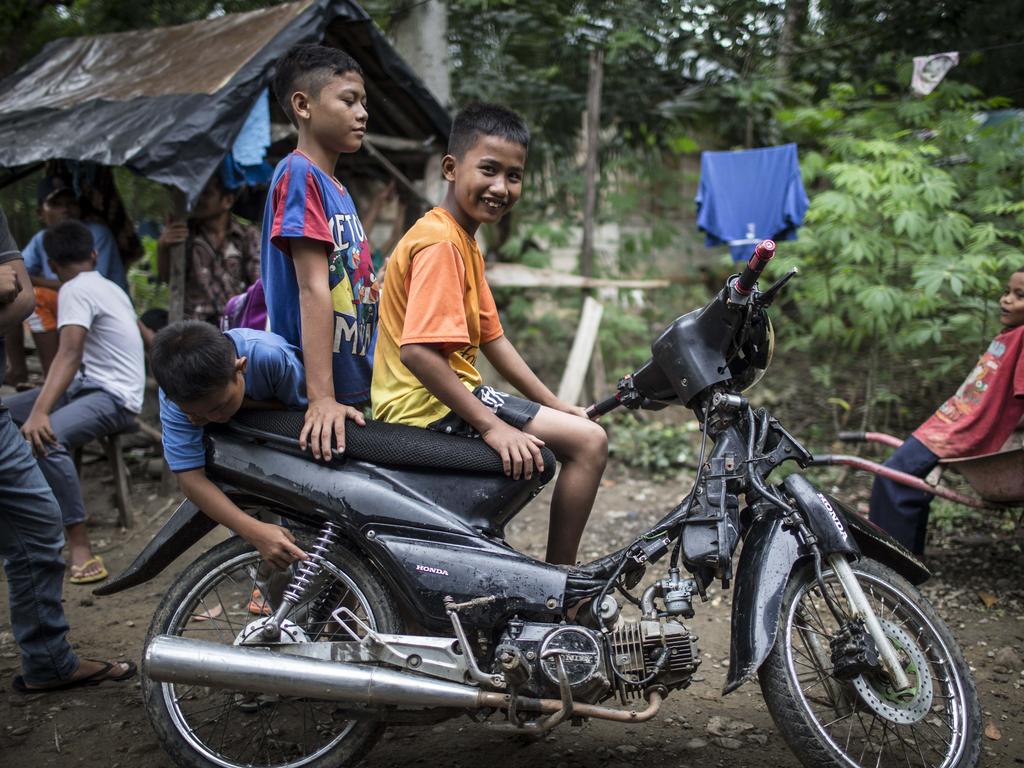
(437, 313)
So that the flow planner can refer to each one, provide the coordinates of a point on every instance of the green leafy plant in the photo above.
(914, 225)
(652, 445)
(146, 291)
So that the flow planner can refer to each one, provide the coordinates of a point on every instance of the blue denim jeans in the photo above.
(31, 538)
(899, 509)
(83, 413)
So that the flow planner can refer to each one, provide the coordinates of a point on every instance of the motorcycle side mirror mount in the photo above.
(765, 298)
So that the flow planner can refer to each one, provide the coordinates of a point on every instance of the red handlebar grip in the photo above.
(763, 253)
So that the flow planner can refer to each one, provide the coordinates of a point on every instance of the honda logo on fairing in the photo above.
(431, 569)
(835, 517)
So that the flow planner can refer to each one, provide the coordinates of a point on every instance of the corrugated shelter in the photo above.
(169, 102)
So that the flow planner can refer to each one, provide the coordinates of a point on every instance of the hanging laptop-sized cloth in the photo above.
(749, 196)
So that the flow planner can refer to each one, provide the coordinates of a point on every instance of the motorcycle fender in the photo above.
(840, 529)
(769, 553)
(825, 517)
(183, 529)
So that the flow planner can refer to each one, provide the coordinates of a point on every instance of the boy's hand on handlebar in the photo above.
(324, 417)
(276, 545)
(574, 410)
(519, 451)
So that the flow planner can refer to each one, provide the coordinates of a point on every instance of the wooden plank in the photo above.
(396, 174)
(582, 347)
(504, 275)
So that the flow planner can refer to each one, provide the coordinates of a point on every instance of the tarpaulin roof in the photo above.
(169, 102)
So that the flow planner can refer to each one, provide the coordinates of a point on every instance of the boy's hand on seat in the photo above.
(276, 545)
(324, 417)
(39, 432)
(519, 451)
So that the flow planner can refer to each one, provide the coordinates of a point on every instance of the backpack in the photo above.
(246, 310)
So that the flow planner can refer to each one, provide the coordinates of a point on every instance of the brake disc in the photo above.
(876, 691)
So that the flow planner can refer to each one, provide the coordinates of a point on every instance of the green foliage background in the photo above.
(916, 208)
(914, 227)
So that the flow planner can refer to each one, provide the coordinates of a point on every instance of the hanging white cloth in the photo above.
(929, 71)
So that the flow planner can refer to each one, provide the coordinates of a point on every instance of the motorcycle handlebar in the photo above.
(763, 253)
(597, 410)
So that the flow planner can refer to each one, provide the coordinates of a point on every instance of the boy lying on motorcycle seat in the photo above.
(207, 376)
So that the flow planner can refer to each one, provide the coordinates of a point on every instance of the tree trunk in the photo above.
(792, 25)
(593, 126)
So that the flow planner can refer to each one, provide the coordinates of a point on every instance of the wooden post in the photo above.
(580, 354)
(175, 303)
(176, 280)
(593, 126)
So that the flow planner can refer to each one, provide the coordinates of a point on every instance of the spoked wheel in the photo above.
(221, 598)
(864, 722)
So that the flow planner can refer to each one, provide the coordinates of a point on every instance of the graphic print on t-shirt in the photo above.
(354, 292)
(971, 392)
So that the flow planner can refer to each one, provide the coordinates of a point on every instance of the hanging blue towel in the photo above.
(748, 196)
(246, 164)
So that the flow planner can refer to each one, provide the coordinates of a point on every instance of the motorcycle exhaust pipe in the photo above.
(171, 659)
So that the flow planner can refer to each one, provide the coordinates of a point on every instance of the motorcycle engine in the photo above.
(644, 653)
(658, 652)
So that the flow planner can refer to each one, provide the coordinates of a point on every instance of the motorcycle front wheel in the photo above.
(215, 599)
(863, 722)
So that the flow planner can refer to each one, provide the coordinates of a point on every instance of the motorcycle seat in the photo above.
(383, 443)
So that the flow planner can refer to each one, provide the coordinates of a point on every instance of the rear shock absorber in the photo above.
(305, 573)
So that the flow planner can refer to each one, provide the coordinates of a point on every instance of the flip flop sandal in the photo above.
(77, 572)
(99, 676)
(209, 615)
(258, 605)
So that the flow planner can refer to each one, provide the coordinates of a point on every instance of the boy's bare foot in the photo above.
(85, 567)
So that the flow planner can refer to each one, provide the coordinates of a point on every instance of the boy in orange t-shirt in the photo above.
(437, 313)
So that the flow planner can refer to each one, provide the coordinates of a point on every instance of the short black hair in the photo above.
(308, 67)
(482, 119)
(191, 359)
(69, 242)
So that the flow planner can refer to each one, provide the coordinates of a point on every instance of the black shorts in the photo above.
(515, 411)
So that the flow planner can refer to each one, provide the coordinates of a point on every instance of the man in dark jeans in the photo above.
(31, 536)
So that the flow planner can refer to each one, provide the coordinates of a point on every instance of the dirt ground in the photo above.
(978, 587)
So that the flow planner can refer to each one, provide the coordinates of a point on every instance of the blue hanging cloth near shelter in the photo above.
(748, 196)
(246, 164)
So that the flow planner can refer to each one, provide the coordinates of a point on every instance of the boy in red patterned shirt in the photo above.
(977, 420)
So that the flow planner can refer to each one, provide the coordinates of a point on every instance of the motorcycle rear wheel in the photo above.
(854, 724)
(213, 600)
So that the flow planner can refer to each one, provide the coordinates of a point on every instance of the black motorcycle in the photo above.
(413, 609)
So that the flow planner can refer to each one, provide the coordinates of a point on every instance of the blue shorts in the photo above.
(515, 411)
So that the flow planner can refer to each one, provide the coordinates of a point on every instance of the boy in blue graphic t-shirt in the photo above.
(316, 262)
(207, 376)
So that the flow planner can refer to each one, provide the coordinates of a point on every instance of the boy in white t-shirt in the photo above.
(94, 387)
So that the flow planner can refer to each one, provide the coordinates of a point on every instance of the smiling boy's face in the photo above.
(336, 117)
(485, 182)
(1011, 305)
